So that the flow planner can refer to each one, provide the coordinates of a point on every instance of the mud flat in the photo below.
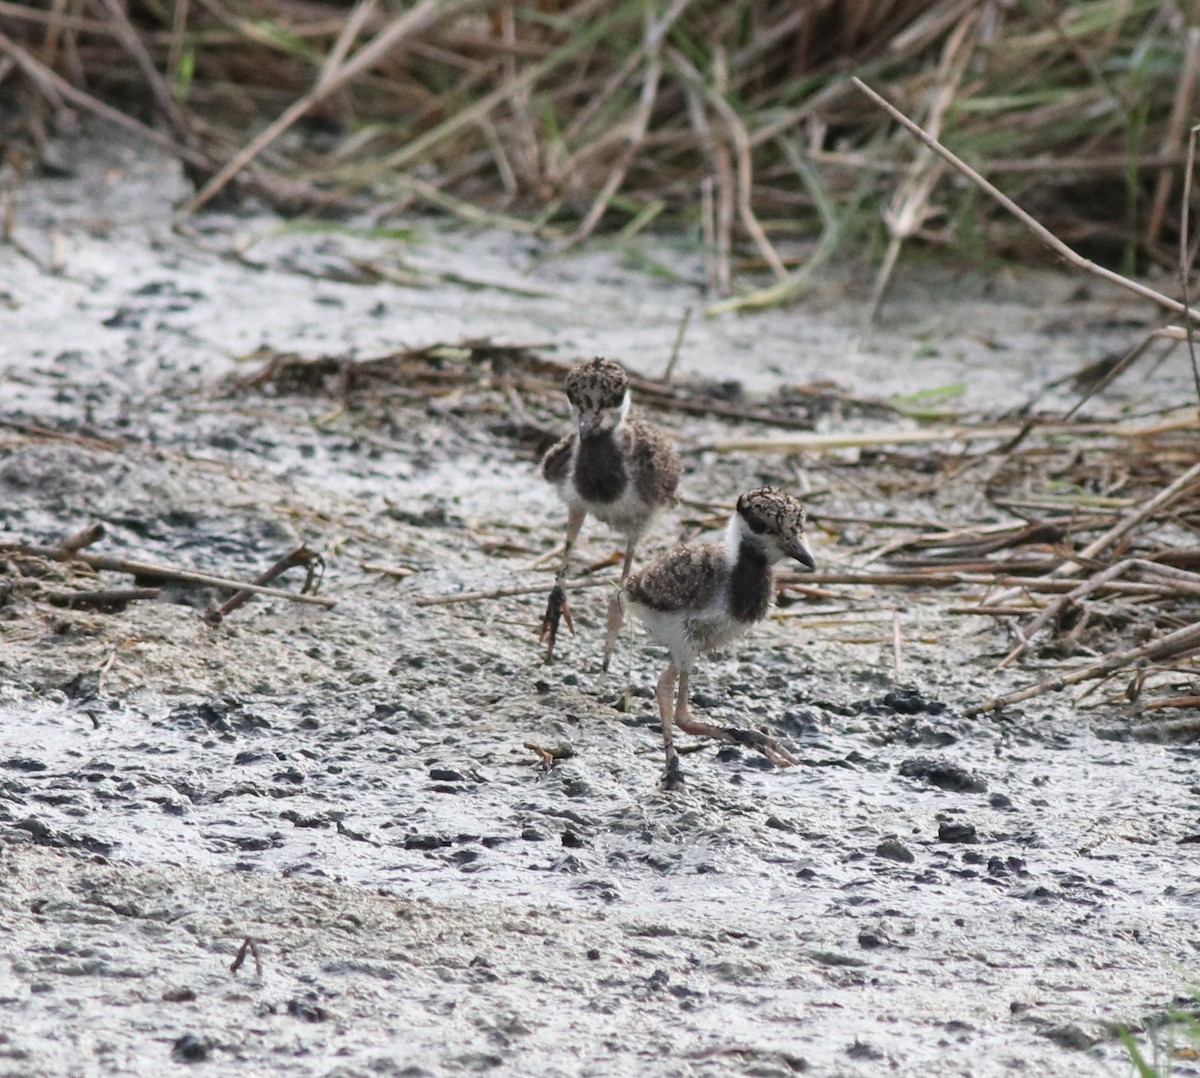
(352, 789)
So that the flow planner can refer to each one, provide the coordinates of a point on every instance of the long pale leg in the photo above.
(673, 779)
(556, 604)
(616, 612)
(752, 739)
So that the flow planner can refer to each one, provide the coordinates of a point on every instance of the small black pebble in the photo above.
(863, 1050)
(425, 842)
(191, 1049)
(942, 774)
(957, 832)
(308, 1012)
(442, 774)
(895, 850)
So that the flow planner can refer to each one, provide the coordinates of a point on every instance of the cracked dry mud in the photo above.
(352, 789)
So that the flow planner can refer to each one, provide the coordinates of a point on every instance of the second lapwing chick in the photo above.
(697, 598)
(619, 469)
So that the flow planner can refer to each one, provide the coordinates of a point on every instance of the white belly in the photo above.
(689, 636)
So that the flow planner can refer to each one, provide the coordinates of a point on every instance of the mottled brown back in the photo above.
(654, 463)
(686, 578)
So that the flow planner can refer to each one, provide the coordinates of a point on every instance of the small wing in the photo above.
(556, 464)
(653, 463)
(686, 578)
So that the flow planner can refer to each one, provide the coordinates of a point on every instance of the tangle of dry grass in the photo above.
(737, 118)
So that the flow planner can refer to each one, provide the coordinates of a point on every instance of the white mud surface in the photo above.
(351, 789)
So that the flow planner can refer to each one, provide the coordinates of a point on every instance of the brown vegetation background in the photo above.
(736, 119)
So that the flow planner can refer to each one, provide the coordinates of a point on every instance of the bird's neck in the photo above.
(751, 581)
(599, 468)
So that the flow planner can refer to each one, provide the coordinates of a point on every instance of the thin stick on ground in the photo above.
(1169, 333)
(85, 537)
(505, 593)
(310, 560)
(1181, 642)
(1137, 515)
(1053, 608)
(1040, 230)
(109, 563)
(106, 600)
(1000, 579)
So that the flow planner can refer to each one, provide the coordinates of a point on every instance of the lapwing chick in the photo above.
(696, 598)
(622, 470)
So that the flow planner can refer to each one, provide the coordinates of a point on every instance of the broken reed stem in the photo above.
(941, 579)
(505, 593)
(108, 563)
(909, 209)
(651, 48)
(301, 556)
(1131, 520)
(1185, 255)
(1040, 230)
(179, 20)
(406, 24)
(675, 349)
(133, 45)
(740, 137)
(1052, 609)
(1181, 107)
(1172, 701)
(104, 599)
(1177, 643)
(821, 443)
(1172, 333)
(55, 86)
(248, 946)
(85, 537)
(1181, 583)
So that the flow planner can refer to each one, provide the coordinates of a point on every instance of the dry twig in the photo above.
(1040, 230)
(150, 570)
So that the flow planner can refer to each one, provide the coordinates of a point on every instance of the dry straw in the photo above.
(736, 119)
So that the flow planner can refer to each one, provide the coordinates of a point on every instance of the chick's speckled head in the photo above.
(774, 521)
(598, 391)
